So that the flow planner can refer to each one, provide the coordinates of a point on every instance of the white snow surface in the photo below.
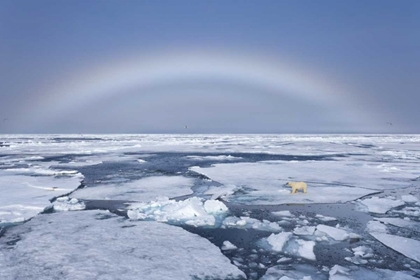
(380, 205)
(261, 183)
(335, 233)
(22, 197)
(401, 223)
(66, 203)
(406, 246)
(111, 247)
(227, 246)
(145, 189)
(192, 211)
(278, 241)
(339, 272)
(247, 222)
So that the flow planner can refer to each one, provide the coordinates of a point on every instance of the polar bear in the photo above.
(297, 186)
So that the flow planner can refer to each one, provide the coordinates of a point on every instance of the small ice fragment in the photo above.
(228, 246)
(409, 198)
(277, 241)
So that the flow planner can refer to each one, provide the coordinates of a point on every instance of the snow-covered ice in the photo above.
(335, 233)
(66, 203)
(297, 272)
(227, 246)
(339, 272)
(278, 241)
(401, 223)
(145, 189)
(99, 245)
(406, 246)
(247, 222)
(261, 184)
(22, 197)
(193, 211)
(380, 205)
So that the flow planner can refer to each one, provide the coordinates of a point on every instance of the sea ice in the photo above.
(375, 226)
(145, 189)
(227, 246)
(296, 272)
(325, 218)
(335, 233)
(406, 246)
(304, 230)
(247, 222)
(100, 245)
(380, 205)
(278, 241)
(261, 185)
(193, 211)
(306, 249)
(213, 158)
(66, 203)
(339, 272)
(409, 198)
(401, 223)
(23, 197)
(284, 213)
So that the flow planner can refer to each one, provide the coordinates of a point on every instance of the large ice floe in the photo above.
(145, 189)
(380, 205)
(24, 196)
(263, 183)
(100, 245)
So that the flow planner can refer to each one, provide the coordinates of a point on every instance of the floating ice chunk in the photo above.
(68, 204)
(381, 205)
(361, 253)
(228, 246)
(334, 233)
(406, 246)
(325, 218)
(413, 211)
(213, 158)
(338, 272)
(409, 198)
(141, 160)
(247, 222)
(51, 247)
(23, 197)
(305, 230)
(401, 223)
(297, 272)
(145, 189)
(306, 249)
(375, 226)
(284, 213)
(221, 191)
(191, 211)
(277, 241)
(215, 207)
(283, 260)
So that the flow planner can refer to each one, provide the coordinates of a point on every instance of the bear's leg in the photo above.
(304, 189)
(294, 190)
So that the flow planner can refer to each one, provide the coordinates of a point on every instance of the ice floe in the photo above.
(380, 205)
(145, 189)
(339, 272)
(213, 158)
(247, 222)
(22, 197)
(66, 203)
(227, 246)
(261, 184)
(406, 246)
(99, 245)
(193, 211)
(401, 223)
(297, 272)
(335, 233)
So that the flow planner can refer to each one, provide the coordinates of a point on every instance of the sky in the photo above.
(209, 66)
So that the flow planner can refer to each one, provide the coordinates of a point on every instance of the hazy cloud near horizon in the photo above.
(64, 66)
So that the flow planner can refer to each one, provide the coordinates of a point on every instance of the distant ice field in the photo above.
(220, 194)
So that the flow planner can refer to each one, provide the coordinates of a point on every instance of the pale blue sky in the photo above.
(371, 49)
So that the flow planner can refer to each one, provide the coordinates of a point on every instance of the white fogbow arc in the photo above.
(278, 78)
